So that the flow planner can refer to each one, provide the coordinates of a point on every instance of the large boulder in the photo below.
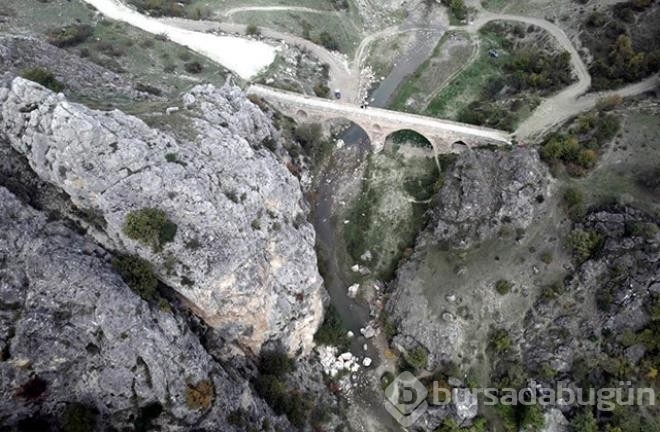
(243, 254)
(71, 332)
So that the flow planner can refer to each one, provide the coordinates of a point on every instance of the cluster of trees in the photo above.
(619, 56)
(578, 148)
(484, 112)
(274, 366)
(457, 8)
(537, 70)
(529, 70)
(623, 64)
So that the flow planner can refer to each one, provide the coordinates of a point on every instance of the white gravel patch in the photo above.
(243, 56)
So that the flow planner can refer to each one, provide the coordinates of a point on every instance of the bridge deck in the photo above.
(383, 117)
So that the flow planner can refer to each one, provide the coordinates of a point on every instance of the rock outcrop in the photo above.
(71, 332)
(243, 255)
(484, 191)
(611, 294)
(488, 196)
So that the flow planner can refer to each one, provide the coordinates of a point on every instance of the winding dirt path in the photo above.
(568, 102)
(554, 111)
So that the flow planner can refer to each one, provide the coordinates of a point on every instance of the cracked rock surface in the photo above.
(69, 322)
(243, 255)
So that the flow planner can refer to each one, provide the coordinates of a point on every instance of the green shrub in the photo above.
(193, 67)
(584, 421)
(546, 257)
(332, 332)
(417, 357)
(70, 35)
(308, 134)
(531, 418)
(252, 30)
(295, 406)
(328, 41)
(499, 340)
(43, 77)
(574, 202)
(321, 90)
(150, 226)
(161, 7)
(78, 417)
(503, 286)
(138, 274)
(275, 362)
(573, 197)
(584, 244)
(552, 291)
(457, 8)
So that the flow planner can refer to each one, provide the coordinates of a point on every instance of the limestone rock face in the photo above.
(68, 322)
(243, 254)
(484, 191)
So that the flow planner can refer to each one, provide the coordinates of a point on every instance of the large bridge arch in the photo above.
(356, 131)
(417, 139)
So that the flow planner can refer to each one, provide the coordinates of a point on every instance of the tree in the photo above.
(584, 421)
(252, 30)
(328, 40)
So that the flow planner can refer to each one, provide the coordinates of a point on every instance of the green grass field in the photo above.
(467, 86)
(391, 209)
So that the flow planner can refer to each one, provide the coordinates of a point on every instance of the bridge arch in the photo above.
(355, 132)
(411, 136)
(459, 146)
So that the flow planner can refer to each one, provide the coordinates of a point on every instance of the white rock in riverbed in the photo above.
(368, 332)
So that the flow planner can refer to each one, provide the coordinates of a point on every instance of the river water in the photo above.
(355, 314)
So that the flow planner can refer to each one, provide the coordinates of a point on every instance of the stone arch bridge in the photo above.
(380, 123)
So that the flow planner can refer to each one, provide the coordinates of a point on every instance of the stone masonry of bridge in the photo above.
(380, 123)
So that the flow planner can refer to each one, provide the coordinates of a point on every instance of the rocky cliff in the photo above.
(242, 255)
(80, 348)
(474, 238)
